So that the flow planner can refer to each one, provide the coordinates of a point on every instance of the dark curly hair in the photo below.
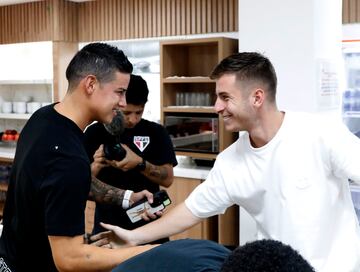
(265, 256)
(137, 91)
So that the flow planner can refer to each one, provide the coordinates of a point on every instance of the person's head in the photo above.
(265, 255)
(245, 85)
(101, 72)
(136, 98)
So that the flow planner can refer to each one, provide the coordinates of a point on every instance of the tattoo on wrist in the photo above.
(104, 193)
(158, 172)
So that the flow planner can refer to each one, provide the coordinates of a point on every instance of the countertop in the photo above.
(7, 152)
(191, 171)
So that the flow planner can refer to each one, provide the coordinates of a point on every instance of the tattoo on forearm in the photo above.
(158, 172)
(104, 193)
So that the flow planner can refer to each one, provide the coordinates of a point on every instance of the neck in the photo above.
(72, 110)
(266, 128)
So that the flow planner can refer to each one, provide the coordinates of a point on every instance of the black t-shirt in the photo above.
(185, 255)
(48, 188)
(147, 139)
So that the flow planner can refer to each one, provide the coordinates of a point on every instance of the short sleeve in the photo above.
(65, 191)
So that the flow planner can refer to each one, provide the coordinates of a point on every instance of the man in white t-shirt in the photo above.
(289, 171)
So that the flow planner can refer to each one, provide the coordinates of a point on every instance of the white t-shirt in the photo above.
(295, 187)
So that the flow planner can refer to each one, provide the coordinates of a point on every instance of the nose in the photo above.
(122, 102)
(132, 119)
(219, 105)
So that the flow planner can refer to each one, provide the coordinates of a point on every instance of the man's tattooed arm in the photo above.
(104, 193)
(160, 174)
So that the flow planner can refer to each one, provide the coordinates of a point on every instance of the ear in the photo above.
(90, 82)
(258, 97)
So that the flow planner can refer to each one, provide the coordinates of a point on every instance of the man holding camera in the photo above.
(146, 162)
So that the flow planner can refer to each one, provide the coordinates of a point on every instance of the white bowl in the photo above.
(6, 107)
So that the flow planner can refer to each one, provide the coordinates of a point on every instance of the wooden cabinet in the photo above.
(185, 66)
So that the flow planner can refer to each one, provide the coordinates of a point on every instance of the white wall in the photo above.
(296, 36)
(26, 61)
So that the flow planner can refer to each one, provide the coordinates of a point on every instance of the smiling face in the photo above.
(234, 103)
(110, 97)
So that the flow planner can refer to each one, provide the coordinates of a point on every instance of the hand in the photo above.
(147, 216)
(130, 161)
(106, 239)
(99, 161)
(135, 197)
(115, 237)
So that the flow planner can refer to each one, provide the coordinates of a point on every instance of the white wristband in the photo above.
(126, 200)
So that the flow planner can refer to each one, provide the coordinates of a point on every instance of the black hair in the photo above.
(249, 66)
(265, 255)
(137, 91)
(99, 59)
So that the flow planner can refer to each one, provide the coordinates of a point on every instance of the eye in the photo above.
(120, 92)
(224, 97)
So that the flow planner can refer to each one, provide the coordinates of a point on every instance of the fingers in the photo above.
(148, 216)
(102, 243)
(100, 235)
(135, 197)
(159, 213)
(108, 227)
(148, 195)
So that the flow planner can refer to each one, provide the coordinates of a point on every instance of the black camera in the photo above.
(114, 152)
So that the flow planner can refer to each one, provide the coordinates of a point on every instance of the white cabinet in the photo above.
(26, 73)
(35, 92)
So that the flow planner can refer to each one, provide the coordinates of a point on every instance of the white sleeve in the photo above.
(210, 197)
(344, 149)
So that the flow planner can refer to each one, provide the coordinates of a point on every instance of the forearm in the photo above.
(104, 193)
(159, 174)
(70, 254)
(174, 221)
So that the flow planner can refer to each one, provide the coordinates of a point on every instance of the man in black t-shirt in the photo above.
(148, 163)
(51, 176)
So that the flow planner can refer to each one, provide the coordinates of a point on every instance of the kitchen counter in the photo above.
(7, 153)
(191, 171)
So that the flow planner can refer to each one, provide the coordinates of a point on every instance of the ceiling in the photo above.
(13, 2)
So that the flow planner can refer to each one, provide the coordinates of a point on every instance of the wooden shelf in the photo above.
(189, 109)
(26, 81)
(188, 80)
(185, 66)
(16, 116)
(196, 155)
